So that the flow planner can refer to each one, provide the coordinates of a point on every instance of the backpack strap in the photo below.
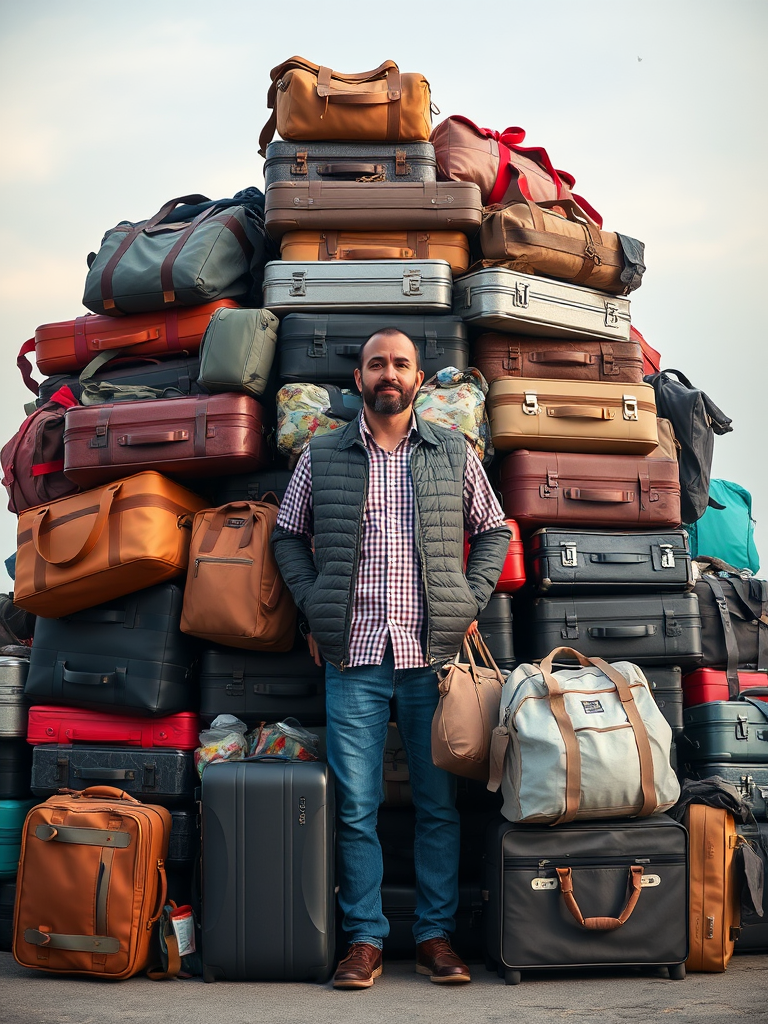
(731, 647)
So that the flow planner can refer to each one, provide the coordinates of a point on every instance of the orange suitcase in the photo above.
(306, 246)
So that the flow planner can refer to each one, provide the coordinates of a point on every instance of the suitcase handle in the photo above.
(614, 632)
(87, 678)
(581, 412)
(349, 170)
(90, 542)
(372, 252)
(563, 358)
(120, 774)
(130, 440)
(123, 340)
(129, 737)
(600, 924)
(348, 351)
(107, 793)
(580, 494)
(618, 557)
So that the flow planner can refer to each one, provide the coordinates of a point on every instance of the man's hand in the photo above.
(314, 650)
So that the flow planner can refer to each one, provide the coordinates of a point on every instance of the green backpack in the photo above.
(727, 533)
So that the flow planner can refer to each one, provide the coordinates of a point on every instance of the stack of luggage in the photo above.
(147, 477)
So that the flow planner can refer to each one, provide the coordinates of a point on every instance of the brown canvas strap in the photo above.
(218, 519)
(91, 540)
(600, 924)
(567, 733)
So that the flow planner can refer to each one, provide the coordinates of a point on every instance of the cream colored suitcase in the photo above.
(572, 416)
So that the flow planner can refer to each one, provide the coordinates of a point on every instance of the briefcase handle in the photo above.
(600, 924)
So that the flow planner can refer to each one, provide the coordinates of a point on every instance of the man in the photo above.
(370, 541)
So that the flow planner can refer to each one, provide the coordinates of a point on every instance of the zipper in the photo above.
(229, 561)
(532, 864)
(419, 535)
(348, 618)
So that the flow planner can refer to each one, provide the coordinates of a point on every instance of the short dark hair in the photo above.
(388, 331)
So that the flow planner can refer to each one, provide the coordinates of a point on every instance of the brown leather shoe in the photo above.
(359, 967)
(436, 958)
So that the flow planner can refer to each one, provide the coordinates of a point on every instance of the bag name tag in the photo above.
(235, 523)
(592, 707)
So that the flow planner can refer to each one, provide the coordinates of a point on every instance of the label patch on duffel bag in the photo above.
(592, 707)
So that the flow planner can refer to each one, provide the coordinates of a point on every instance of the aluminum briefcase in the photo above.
(504, 300)
(568, 561)
(513, 355)
(349, 161)
(373, 206)
(322, 348)
(647, 629)
(13, 704)
(587, 894)
(369, 286)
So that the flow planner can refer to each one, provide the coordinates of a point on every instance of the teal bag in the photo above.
(727, 533)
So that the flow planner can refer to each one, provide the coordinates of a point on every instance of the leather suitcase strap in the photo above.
(83, 836)
(74, 943)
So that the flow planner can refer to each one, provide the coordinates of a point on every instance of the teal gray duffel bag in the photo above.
(237, 350)
(206, 250)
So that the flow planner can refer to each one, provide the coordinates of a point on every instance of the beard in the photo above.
(388, 403)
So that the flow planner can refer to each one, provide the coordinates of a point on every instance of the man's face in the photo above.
(389, 379)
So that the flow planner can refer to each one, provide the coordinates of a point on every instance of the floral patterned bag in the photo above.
(304, 410)
(455, 399)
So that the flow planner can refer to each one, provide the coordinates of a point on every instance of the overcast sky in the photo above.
(658, 108)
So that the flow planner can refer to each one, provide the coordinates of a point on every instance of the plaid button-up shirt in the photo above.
(388, 601)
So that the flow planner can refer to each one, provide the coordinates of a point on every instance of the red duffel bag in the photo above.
(513, 572)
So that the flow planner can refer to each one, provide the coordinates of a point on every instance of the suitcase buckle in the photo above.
(667, 556)
(611, 314)
(530, 404)
(300, 167)
(298, 283)
(742, 727)
(568, 554)
(101, 439)
(629, 403)
(401, 166)
(412, 282)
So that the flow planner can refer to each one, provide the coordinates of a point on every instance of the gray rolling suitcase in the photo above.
(323, 348)
(725, 730)
(358, 286)
(523, 304)
(14, 706)
(569, 561)
(349, 161)
(268, 871)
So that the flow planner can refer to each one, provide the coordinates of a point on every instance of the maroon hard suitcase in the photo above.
(621, 491)
(197, 435)
(590, 359)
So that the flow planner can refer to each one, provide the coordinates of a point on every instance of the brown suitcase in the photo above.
(714, 903)
(88, 548)
(451, 246)
(195, 435)
(621, 491)
(234, 594)
(372, 206)
(71, 344)
(571, 416)
(91, 884)
(513, 355)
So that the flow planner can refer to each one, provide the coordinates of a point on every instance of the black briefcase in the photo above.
(587, 894)
(495, 625)
(15, 769)
(322, 348)
(666, 683)
(128, 654)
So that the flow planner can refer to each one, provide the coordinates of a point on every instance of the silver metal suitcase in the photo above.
(14, 706)
(358, 286)
(523, 304)
(349, 161)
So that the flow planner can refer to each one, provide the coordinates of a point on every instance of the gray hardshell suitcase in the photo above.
(268, 871)
(349, 161)
(524, 304)
(725, 730)
(566, 561)
(648, 629)
(14, 706)
(358, 286)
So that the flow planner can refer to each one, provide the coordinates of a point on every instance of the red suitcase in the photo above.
(196, 435)
(71, 344)
(513, 572)
(48, 724)
(708, 684)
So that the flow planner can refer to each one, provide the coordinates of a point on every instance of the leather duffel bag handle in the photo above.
(90, 542)
(600, 924)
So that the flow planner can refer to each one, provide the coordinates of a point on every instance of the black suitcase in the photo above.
(398, 904)
(247, 486)
(495, 625)
(155, 775)
(648, 629)
(666, 683)
(15, 769)
(125, 655)
(170, 377)
(751, 780)
(268, 871)
(258, 686)
(184, 840)
(753, 932)
(734, 619)
(7, 901)
(570, 561)
(321, 348)
(349, 161)
(531, 868)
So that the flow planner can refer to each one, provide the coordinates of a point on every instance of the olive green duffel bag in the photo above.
(237, 350)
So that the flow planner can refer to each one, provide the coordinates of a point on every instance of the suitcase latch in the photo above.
(401, 167)
(611, 314)
(300, 167)
(568, 554)
(412, 282)
(545, 490)
(742, 727)
(544, 883)
(531, 404)
(319, 349)
(710, 928)
(520, 295)
(629, 403)
(101, 439)
(298, 283)
(667, 556)
(571, 631)
(746, 785)
(650, 881)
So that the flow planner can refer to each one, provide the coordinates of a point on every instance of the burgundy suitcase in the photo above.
(48, 724)
(589, 359)
(196, 435)
(708, 684)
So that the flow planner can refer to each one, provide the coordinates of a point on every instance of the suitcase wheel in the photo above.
(512, 977)
(677, 973)
(208, 975)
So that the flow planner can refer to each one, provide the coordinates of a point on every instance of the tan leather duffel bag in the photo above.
(234, 593)
(87, 548)
(557, 238)
(304, 246)
(310, 102)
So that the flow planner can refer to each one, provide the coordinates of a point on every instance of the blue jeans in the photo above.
(357, 702)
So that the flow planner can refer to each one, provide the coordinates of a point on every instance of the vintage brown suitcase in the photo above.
(451, 246)
(620, 491)
(372, 206)
(195, 435)
(88, 548)
(514, 355)
(572, 416)
(714, 887)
